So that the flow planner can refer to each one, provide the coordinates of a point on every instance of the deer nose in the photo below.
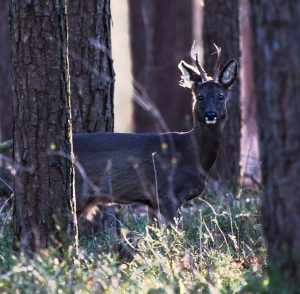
(211, 117)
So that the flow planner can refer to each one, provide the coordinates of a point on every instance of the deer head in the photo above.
(210, 93)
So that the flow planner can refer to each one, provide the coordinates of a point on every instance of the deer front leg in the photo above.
(169, 213)
(168, 208)
(151, 216)
(164, 215)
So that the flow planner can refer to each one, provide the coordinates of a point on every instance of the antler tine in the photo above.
(218, 61)
(194, 56)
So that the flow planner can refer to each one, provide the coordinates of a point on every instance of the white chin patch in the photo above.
(210, 122)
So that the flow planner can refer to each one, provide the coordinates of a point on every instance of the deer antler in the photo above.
(194, 56)
(218, 61)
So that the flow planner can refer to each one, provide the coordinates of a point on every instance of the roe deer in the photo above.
(161, 170)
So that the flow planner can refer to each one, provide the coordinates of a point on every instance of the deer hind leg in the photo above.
(89, 209)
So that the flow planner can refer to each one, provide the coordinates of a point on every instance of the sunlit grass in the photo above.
(216, 247)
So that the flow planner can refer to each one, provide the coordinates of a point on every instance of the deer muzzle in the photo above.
(211, 118)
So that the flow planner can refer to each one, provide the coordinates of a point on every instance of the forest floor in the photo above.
(216, 247)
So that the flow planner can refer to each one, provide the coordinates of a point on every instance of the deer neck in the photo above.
(207, 144)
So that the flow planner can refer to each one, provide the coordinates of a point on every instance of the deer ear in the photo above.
(229, 73)
(190, 75)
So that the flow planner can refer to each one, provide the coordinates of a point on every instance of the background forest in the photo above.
(112, 66)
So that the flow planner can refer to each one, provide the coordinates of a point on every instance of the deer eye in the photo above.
(221, 97)
(200, 98)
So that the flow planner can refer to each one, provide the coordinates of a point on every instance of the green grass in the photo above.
(216, 247)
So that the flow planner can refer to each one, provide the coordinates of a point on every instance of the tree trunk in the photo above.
(249, 141)
(91, 65)
(92, 82)
(221, 26)
(276, 34)
(5, 76)
(44, 212)
(161, 35)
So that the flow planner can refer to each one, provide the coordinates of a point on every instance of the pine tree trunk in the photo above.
(44, 213)
(249, 141)
(91, 65)
(276, 34)
(161, 35)
(92, 83)
(5, 76)
(221, 26)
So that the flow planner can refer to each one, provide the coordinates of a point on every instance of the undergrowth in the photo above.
(215, 247)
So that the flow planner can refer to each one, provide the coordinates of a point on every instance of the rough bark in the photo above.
(44, 213)
(161, 35)
(276, 31)
(92, 82)
(91, 65)
(5, 76)
(221, 26)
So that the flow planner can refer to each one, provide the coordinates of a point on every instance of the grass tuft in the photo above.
(215, 247)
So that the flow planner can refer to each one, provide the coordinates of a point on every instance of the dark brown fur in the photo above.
(159, 170)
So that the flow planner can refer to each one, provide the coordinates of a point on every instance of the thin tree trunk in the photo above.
(249, 141)
(5, 76)
(92, 83)
(276, 35)
(221, 26)
(161, 35)
(44, 213)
